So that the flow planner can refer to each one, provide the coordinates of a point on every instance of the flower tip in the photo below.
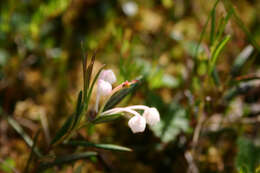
(152, 116)
(108, 76)
(137, 124)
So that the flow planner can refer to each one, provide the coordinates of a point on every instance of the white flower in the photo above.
(137, 124)
(108, 76)
(151, 116)
(104, 87)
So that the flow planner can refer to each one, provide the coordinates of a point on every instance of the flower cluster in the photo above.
(137, 122)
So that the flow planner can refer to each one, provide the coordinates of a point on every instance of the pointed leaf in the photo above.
(102, 146)
(84, 68)
(78, 110)
(223, 24)
(221, 45)
(229, 6)
(117, 97)
(215, 77)
(63, 130)
(213, 23)
(204, 30)
(89, 70)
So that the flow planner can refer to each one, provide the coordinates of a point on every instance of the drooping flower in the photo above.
(137, 124)
(151, 116)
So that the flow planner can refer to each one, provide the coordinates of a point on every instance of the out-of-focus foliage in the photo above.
(247, 158)
(198, 62)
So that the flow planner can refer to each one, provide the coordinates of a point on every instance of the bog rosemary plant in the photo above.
(106, 99)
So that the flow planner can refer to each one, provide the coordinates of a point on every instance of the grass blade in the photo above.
(213, 24)
(102, 146)
(24, 135)
(202, 36)
(223, 24)
(229, 6)
(221, 45)
(215, 77)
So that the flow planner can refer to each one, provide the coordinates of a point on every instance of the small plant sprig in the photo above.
(104, 112)
(104, 80)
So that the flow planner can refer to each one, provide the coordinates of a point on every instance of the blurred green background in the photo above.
(200, 66)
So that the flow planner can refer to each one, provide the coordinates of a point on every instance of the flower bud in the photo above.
(151, 116)
(137, 124)
(104, 88)
(108, 76)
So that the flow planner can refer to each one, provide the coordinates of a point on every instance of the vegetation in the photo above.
(196, 62)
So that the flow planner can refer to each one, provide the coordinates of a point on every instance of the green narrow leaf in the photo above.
(221, 45)
(78, 110)
(62, 132)
(89, 70)
(84, 68)
(213, 23)
(85, 104)
(117, 97)
(223, 24)
(102, 146)
(66, 159)
(215, 77)
(106, 118)
(202, 36)
(229, 6)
